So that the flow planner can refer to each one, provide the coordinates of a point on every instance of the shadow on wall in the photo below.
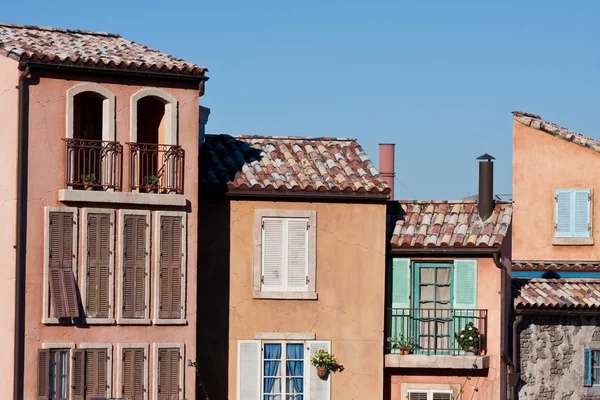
(221, 158)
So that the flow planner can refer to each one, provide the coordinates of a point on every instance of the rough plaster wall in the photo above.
(552, 357)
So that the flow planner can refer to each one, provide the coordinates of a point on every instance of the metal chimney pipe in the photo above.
(386, 165)
(486, 186)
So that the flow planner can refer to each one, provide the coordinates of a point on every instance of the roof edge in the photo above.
(280, 137)
(63, 30)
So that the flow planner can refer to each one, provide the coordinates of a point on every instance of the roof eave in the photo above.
(556, 311)
(444, 251)
(357, 197)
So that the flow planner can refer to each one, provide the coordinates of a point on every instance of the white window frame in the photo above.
(120, 348)
(108, 108)
(70, 346)
(109, 362)
(120, 318)
(171, 120)
(111, 267)
(46, 318)
(431, 392)
(283, 370)
(157, 243)
(155, 379)
(311, 216)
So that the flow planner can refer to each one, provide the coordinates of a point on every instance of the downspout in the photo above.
(21, 239)
(503, 318)
(513, 378)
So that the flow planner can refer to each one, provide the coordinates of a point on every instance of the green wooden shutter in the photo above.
(587, 367)
(465, 284)
(400, 283)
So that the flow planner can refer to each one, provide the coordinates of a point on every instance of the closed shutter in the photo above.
(563, 213)
(581, 213)
(297, 254)
(418, 395)
(272, 254)
(78, 383)
(249, 369)
(587, 367)
(133, 374)
(96, 373)
(168, 374)
(465, 284)
(63, 287)
(318, 389)
(134, 267)
(400, 300)
(170, 267)
(572, 214)
(43, 371)
(98, 264)
(442, 395)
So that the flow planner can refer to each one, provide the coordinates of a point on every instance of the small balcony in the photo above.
(415, 334)
(156, 168)
(93, 165)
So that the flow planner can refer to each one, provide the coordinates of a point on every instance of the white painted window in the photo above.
(573, 213)
(430, 394)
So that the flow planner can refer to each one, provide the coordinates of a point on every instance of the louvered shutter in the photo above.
(587, 367)
(563, 224)
(581, 213)
(43, 373)
(63, 287)
(134, 267)
(465, 284)
(400, 299)
(95, 372)
(170, 267)
(133, 374)
(297, 254)
(249, 369)
(98, 264)
(272, 254)
(442, 395)
(168, 374)
(78, 377)
(418, 395)
(318, 389)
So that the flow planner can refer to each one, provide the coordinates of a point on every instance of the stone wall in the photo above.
(551, 357)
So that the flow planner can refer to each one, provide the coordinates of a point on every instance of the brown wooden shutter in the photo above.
(63, 287)
(134, 267)
(98, 263)
(43, 371)
(133, 374)
(170, 267)
(95, 373)
(78, 383)
(168, 374)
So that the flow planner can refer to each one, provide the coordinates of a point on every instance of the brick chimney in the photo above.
(386, 165)
(486, 186)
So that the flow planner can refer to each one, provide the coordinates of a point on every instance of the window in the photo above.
(170, 268)
(134, 251)
(133, 371)
(425, 394)
(573, 216)
(591, 367)
(98, 265)
(280, 370)
(60, 281)
(53, 374)
(168, 373)
(285, 254)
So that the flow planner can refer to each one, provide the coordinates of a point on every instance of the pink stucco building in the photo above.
(98, 205)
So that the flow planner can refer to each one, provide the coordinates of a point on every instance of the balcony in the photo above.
(156, 168)
(432, 332)
(93, 165)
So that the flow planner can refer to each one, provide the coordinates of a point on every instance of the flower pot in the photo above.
(88, 186)
(471, 351)
(322, 372)
(405, 352)
(150, 189)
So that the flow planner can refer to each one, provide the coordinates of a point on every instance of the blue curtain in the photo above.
(272, 361)
(296, 368)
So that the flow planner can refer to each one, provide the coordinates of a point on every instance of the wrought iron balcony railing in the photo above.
(156, 168)
(93, 164)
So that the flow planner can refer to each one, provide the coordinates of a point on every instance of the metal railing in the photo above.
(93, 164)
(432, 331)
(156, 168)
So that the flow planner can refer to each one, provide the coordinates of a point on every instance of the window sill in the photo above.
(573, 241)
(99, 196)
(257, 294)
(436, 361)
(169, 321)
(99, 321)
(130, 321)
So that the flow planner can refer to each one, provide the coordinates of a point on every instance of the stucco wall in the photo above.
(9, 79)
(46, 177)
(541, 164)
(350, 285)
(552, 357)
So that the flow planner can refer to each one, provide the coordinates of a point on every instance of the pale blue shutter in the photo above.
(581, 213)
(399, 322)
(465, 284)
(562, 224)
(587, 367)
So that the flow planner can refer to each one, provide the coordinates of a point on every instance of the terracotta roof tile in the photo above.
(570, 293)
(266, 163)
(449, 224)
(556, 265)
(68, 46)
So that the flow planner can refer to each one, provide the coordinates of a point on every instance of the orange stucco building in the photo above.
(103, 214)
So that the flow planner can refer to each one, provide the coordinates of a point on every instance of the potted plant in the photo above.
(151, 182)
(469, 338)
(325, 362)
(88, 181)
(404, 344)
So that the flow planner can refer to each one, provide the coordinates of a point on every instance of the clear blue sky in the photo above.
(438, 78)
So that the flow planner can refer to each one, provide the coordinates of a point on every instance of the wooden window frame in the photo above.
(46, 318)
(311, 292)
(109, 362)
(157, 243)
(70, 347)
(120, 318)
(111, 268)
(155, 378)
(120, 348)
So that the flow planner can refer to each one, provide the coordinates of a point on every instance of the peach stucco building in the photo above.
(100, 159)
(294, 263)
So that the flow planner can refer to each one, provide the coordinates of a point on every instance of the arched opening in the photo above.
(151, 128)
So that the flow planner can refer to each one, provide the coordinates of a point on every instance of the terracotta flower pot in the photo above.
(405, 352)
(321, 372)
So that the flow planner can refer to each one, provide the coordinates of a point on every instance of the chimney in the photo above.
(386, 165)
(486, 186)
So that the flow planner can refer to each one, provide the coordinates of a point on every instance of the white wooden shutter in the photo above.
(418, 395)
(563, 225)
(318, 389)
(297, 254)
(248, 369)
(272, 254)
(581, 213)
(441, 395)
(465, 284)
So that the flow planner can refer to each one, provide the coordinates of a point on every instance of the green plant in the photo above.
(405, 343)
(88, 178)
(151, 180)
(323, 359)
(468, 337)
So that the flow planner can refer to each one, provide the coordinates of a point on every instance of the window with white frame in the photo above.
(573, 214)
(285, 254)
(280, 370)
(429, 394)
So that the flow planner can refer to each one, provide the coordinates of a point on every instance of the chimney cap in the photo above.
(486, 157)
